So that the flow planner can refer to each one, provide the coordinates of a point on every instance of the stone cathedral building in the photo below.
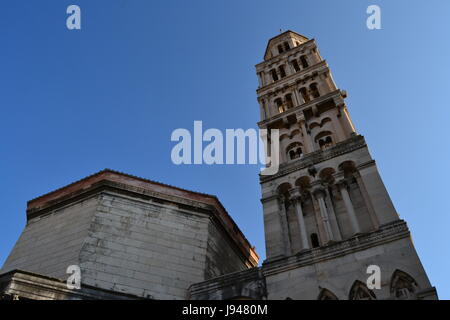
(327, 216)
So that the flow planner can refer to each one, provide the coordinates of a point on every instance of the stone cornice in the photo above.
(312, 158)
(34, 286)
(387, 233)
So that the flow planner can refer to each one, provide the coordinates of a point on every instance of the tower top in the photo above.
(283, 42)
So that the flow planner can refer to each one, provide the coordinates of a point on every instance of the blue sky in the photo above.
(110, 95)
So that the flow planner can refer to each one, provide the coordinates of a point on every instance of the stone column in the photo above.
(285, 225)
(342, 184)
(297, 96)
(319, 194)
(296, 201)
(307, 138)
(367, 201)
(333, 219)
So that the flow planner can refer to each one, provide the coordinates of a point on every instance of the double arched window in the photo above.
(324, 140)
(294, 151)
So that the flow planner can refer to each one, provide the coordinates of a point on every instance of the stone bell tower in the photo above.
(327, 214)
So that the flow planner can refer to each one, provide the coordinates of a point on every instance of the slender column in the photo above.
(262, 109)
(296, 200)
(285, 226)
(333, 218)
(319, 194)
(367, 201)
(297, 96)
(307, 138)
(342, 184)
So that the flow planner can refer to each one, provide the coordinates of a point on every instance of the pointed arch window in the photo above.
(326, 294)
(359, 291)
(403, 286)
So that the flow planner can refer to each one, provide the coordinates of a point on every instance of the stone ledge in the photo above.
(248, 283)
(28, 285)
(386, 233)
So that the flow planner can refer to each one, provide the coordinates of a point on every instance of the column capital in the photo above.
(318, 192)
(295, 194)
(301, 119)
(342, 183)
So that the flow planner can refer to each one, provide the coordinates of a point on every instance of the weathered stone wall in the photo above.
(144, 248)
(50, 243)
(297, 279)
(221, 254)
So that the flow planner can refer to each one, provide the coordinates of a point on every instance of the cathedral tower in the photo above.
(327, 214)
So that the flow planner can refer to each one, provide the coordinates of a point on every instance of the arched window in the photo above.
(314, 90)
(304, 62)
(315, 241)
(325, 143)
(274, 74)
(280, 105)
(304, 94)
(324, 140)
(286, 46)
(403, 286)
(326, 294)
(282, 72)
(289, 102)
(294, 151)
(295, 65)
(359, 291)
(280, 49)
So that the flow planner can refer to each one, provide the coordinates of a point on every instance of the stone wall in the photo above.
(129, 244)
(50, 243)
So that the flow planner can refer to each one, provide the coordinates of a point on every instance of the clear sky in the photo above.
(110, 95)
